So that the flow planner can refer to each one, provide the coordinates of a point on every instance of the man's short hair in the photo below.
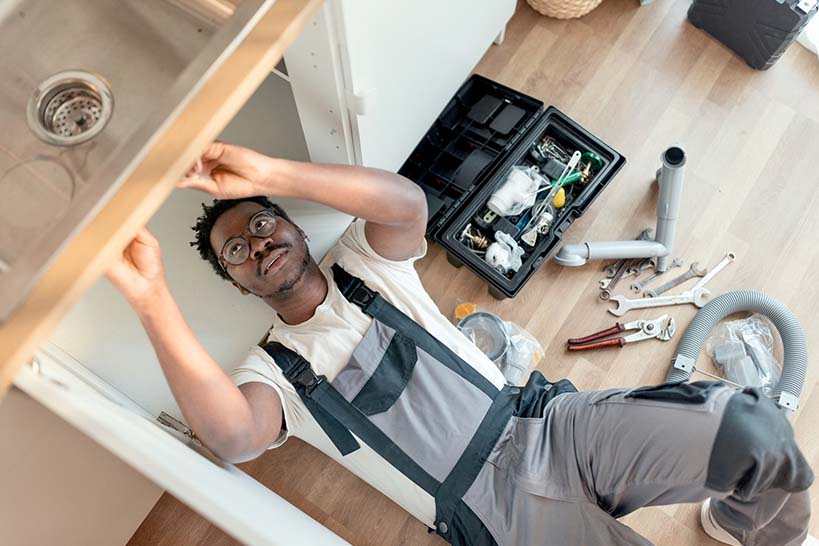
(204, 225)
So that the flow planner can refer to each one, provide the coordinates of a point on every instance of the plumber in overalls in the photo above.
(361, 364)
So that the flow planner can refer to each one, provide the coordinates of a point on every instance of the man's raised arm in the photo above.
(395, 208)
(235, 426)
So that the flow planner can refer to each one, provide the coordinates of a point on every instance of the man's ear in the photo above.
(240, 288)
(302, 233)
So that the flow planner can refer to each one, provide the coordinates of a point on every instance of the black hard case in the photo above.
(759, 31)
(453, 201)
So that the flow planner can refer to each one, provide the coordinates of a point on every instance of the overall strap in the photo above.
(337, 417)
(298, 371)
(451, 491)
(374, 305)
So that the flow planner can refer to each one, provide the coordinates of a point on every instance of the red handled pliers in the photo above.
(662, 328)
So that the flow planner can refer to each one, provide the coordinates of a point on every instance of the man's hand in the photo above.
(212, 405)
(229, 172)
(138, 273)
(395, 208)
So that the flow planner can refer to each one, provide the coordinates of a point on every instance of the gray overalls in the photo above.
(543, 464)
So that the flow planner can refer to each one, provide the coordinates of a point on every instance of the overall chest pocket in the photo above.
(378, 372)
(423, 406)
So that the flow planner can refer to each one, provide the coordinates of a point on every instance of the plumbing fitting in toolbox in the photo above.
(504, 254)
(670, 179)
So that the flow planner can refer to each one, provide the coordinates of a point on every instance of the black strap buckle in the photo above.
(307, 378)
(353, 288)
(362, 296)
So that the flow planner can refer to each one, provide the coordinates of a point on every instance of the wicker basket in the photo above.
(564, 9)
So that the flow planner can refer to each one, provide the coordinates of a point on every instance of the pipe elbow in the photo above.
(573, 255)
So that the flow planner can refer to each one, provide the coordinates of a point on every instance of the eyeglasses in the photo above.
(236, 250)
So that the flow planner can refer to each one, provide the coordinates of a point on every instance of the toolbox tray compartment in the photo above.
(464, 126)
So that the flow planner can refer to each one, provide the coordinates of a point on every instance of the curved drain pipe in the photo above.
(794, 367)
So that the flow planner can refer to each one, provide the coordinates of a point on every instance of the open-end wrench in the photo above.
(611, 269)
(606, 294)
(693, 271)
(730, 257)
(697, 296)
(630, 272)
(638, 268)
(637, 286)
(619, 272)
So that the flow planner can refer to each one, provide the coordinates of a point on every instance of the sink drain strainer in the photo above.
(70, 108)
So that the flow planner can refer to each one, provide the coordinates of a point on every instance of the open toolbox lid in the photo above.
(471, 137)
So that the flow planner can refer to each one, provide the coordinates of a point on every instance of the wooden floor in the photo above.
(641, 79)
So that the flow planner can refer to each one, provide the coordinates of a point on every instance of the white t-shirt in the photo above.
(327, 341)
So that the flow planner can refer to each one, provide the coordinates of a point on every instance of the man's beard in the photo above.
(288, 284)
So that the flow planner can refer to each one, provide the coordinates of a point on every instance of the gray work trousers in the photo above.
(563, 478)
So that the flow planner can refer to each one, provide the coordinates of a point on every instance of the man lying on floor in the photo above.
(361, 364)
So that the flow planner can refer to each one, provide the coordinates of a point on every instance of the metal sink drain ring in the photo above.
(70, 108)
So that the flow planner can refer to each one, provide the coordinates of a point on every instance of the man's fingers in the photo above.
(215, 151)
(191, 182)
(196, 169)
(146, 237)
(116, 270)
(225, 177)
(196, 183)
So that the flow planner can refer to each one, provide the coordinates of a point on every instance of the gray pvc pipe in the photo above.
(578, 254)
(794, 367)
(670, 180)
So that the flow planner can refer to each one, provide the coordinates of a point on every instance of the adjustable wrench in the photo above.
(693, 271)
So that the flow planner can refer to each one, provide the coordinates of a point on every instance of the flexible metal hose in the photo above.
(793, 340)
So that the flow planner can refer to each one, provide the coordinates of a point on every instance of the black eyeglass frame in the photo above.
(223, 262)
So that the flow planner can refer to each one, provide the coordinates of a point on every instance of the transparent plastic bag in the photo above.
(743, 351)
(518, 192)
(513, 350)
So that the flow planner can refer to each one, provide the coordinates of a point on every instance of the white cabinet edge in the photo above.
(223, 494)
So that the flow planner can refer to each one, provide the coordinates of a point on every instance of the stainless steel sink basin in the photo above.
(86, 86)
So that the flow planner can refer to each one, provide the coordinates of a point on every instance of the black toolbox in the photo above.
(759, 31)
(468, 153)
